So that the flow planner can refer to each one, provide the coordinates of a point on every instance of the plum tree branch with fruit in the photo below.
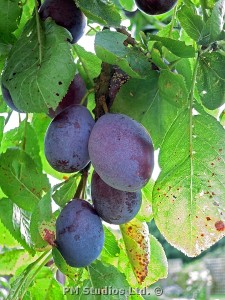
(81, 158)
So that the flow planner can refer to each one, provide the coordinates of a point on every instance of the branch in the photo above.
(129, 41)
(102, 84)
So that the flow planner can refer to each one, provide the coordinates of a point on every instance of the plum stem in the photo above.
(82, 184)
(91, 28)
(25, 133)
(8, 117)
(79, 189)
(86, 95)
(129, 41)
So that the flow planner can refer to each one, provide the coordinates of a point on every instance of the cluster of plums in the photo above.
(121, 152)
(119, 148)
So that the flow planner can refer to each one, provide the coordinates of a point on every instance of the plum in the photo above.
(75, 94)
(66, 139)
(121, 152)
(79, 233)
(8, 99)
(66, 14)
(155, 7)
(114, 206)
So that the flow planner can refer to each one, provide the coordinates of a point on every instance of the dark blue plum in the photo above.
(155, 7)
(114, 206)
(66, 140)
(121, 152)
(66, 14)
(74, 95)
(8, 99)
(79, 233)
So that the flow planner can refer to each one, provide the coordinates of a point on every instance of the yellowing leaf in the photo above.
(136, 239)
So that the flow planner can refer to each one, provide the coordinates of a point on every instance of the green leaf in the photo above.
(211, 79)
(83, 292)
(17, 222)
(145, 213)
(65, 192)
(38, 61)
(72, 273)
(103, 275)
(11, 260)
(127, 4)
(109, 48)
(3, 106)
(158, 267)
(189, 193)
(172, 88)
(22, 281)
(214, 27)
(16, 138)
(191, 22)
(2, 124)
(10, 14)
(179, 48)
(6, 239)
(40, 228)
(91, 63)
(136, 239)
(102, 12)
(45, 286)
(184, 68)
(145, 105)
(111, 248)
(20, 180)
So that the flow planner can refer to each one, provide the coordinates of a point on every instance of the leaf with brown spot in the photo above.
(157, 269)
(189, 161)
(42, 225)
(47, 231)
(136, 239)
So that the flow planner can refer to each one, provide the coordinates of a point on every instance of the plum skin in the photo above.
(155, 7)
(79, 233)
(121, 152)
(66, 14)
(74, 95)
(66, 139)
(8, 99)
(114, 206)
